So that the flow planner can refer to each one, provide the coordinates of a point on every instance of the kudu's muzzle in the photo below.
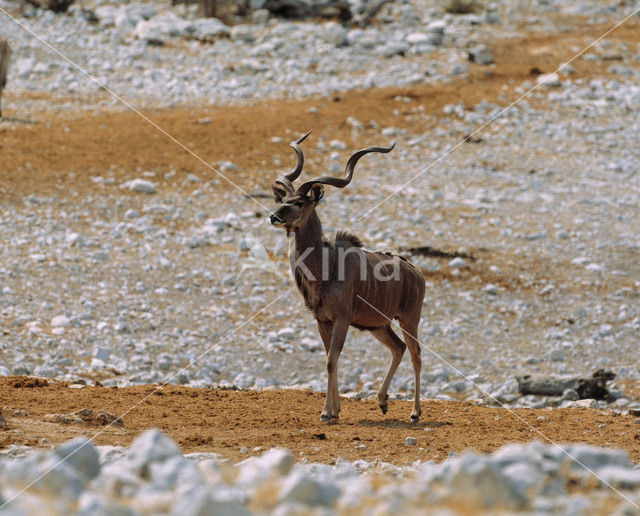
(276, 220)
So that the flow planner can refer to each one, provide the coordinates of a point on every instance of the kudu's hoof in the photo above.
(415, 419)
(384, 406)
(324, 417)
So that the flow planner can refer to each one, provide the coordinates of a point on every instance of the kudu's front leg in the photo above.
(331, 408)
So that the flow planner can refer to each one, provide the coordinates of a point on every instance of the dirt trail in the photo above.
(224, 422)
(38, 158)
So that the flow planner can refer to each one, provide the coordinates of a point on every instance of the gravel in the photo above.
(122, 285)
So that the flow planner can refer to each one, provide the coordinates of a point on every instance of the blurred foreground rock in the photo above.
(152, 476)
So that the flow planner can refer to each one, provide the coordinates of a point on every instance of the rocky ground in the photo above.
(136, 248)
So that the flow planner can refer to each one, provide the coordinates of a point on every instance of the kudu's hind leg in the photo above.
(410, 333)
(397, 347)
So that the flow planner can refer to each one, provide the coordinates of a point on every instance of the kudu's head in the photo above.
(296, 205)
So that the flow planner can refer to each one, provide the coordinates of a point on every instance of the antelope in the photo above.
(5, 56)
(344, 284)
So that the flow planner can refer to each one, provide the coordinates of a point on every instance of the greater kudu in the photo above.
(345, 285)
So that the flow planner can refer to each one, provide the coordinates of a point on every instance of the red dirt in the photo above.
(225, 421)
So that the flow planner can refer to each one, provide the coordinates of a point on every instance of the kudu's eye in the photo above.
(299, 204)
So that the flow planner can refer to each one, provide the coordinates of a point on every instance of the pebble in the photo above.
(491, 289)
(336, 34)
(60, 321)
(481, 54)
(550, 80)
(458, 263)
(140, 186)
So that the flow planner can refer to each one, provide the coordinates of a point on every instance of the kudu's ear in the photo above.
(316, 193)
(278, 192)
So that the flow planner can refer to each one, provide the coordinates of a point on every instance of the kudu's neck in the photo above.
(309, 245)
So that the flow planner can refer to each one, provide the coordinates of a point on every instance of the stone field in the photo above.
(155, 356)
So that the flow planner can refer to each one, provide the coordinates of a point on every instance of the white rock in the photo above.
(335, 34)
(458, 263)
(149, 447)
(60, 321)
(208, 29)
(90, 504)
(481, 54)
(287, 333)
(173, 472)
(581, 456)
(102, 353)
(587, 403)
(227, 166)
(417, 37)
(100, 255)
(312, 345)
(106, 14)
(74, 239)
(393, 48)
(550, 80)
(491, 289)
(278, 459)
(437, 26)
(244, 380)
(140, 186)
(477, 480)
(202, 501)
(606, 330)
(620, 477)
(24, 66)
(260, 16)
(46, 475)
(47, 371)
(151, 32)
(300, 487)
(82, 455)
(243, 32)
(525, 477)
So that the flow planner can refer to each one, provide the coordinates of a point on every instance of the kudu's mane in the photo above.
(346, 237)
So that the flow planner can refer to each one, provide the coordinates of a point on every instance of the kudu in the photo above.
(5, 56)
(345, 285)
